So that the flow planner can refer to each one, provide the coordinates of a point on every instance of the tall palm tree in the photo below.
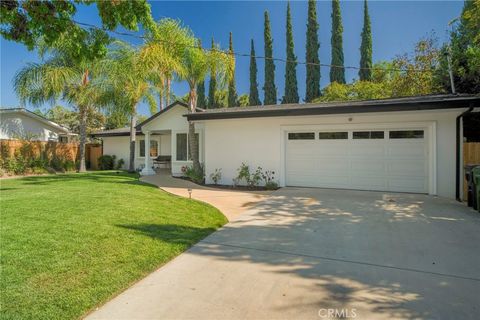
(59, 76)
(161, 54)
(196, 64)
(124, 83)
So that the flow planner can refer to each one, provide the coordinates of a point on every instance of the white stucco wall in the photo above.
(173, 121)
(259, 141)
(16, 125)
(120, 147)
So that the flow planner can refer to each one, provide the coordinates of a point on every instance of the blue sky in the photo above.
(396, 26)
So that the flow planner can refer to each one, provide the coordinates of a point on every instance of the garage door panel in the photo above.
(366, 163)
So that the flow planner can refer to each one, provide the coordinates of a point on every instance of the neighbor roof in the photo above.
(35, 116)
(429, 102)
(114, 132)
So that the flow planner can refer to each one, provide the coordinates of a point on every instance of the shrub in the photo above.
(216, 176)
(253, 179)
(69, 165)
(119, 164)
(197, 176)
(106, 162)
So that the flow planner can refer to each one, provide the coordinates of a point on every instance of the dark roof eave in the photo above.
(114, 134)
(343, 109)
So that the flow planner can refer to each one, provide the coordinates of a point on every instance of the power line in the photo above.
(238, 54)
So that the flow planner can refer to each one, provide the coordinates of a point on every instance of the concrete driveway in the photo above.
(322, 254)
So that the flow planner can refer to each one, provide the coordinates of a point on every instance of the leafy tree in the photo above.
(253, 98)
(313, 69)
(212, 85)
(464, 49)
(360, 90)
(243, 100)
(291, 88)
(196, 64)
(269, 86)
(232, 90)
(337, 71)
(61, 75)
(412, 82)
(31, 21)
(161, 57)
(116, 119)
(365, 72)
(221, 98)
(202, 99)
(125, 90)
(69, 118)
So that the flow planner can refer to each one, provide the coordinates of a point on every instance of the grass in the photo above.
(71, 242)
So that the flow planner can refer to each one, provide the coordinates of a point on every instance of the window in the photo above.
(332, 135)
(63, 139)
(182, 147)
(406, 134)
(153, 148)
(368, 135)
(301, 136)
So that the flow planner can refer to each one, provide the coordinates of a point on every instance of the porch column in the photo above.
(147, 170)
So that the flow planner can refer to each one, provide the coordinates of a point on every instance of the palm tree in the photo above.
(124, 83)
(162, 53)
(59, 76)
(196, 64)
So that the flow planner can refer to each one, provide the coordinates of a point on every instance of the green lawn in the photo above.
(71, 242)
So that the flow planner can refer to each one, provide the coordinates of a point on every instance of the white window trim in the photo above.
(174, 146)
(138, 148)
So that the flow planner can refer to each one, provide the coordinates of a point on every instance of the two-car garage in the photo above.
(385, 159)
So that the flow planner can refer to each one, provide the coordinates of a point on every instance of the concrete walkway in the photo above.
(230, 202)
(322, 254)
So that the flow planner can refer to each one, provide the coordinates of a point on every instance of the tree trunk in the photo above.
(83, 138)
(167, 94)
(161, 94)
(192, 142)
(133, 135)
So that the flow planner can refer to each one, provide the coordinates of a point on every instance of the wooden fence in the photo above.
(51, 149)
(471, 155)
(47, 149)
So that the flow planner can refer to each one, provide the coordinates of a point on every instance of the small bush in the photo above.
(253, 179)
(119, 164)
(197, 176)
(69, 165)
(216, 176)
(106, 162)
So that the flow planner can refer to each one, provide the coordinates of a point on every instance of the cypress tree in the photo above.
(291, 89)
(313, 70)
(232, 90)
(365, 73)
(253, 98)
(201, 98)
(269, 86)
(212, 86)
(337, 73)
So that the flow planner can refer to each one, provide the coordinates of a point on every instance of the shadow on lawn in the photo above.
(171, 233)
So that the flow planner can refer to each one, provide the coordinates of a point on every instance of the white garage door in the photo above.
(376, 159)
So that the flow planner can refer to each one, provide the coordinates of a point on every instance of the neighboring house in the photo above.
(402, 145)
(20, 123)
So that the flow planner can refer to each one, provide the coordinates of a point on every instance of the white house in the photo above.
(20, 123)
(402, 145)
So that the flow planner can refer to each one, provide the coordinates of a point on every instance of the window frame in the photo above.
(140, 149)
(188, 159)
(332, 138)
(313, 135)
(407, 138)
(369, 134)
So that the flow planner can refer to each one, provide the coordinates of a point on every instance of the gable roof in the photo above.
(170, 106)
(37, 117)
(430, 102)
